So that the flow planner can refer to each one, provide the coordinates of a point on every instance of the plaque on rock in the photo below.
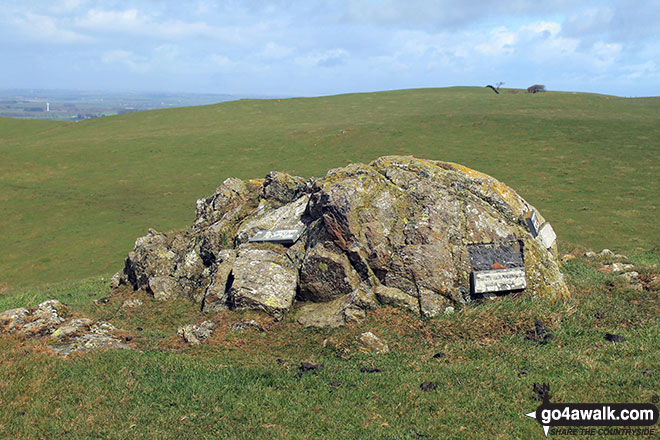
(489, 256)
(547, 236)
(532, 222)
(281, 236)
(499, 280)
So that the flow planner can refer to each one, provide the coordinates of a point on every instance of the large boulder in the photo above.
(410, 233)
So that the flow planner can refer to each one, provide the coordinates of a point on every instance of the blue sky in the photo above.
(310, 48)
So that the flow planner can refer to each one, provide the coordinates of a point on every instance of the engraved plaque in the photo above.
(502, 255)
(282, 236)
(547, 235)
(498, 280)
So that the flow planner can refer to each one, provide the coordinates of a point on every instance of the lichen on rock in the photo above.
(396, 232)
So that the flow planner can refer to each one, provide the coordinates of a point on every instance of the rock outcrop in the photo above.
(400, 231)
(51, 319)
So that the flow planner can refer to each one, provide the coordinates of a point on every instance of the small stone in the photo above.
(598, 315)
(449, 311)
(567, 257)
(99, 301)
(115, 281)
(606, 253)
(73, 328)
(372, 343)
(247, 325)
(614, 338)
(439, 355)
(131, 303)
(11, 319)
(195, 334)
(617, 267)
(590, 254)
(428, 386)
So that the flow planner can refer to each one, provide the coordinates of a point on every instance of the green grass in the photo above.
(244, 385)
(74, 196)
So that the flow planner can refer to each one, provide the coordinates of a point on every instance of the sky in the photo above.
(313, 48)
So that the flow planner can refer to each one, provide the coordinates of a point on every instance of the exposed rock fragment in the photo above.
(372, 343)
(195, 334)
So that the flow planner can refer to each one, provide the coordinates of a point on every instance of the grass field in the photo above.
(245, 385)
(74, 196)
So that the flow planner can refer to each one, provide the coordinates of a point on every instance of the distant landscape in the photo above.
(72, 105)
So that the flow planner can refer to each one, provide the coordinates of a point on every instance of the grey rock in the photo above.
(115, 281)
(372, 343)
(245, 325)
(45, 318)
(164, 288)
(326, 274)
(195, 334)
(132, 303)
(75, 327)
(216, 295)
(397, 223)
(263, 280)
(282, 187)
(285, 217)
(85, 335)
(11, 319)
(391, 296)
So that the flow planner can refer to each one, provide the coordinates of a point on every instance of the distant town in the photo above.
(66, 105)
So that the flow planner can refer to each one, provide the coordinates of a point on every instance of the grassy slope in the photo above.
(243, 385)
(74, 196)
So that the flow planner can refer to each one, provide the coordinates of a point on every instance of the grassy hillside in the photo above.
(246, 385)
(74, 196)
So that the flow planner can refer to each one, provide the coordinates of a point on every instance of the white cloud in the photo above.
(46, 29)
(328, 58)
(127, 59)
(133, 21)
(500, 42)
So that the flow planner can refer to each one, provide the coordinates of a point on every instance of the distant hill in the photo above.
(74, 195)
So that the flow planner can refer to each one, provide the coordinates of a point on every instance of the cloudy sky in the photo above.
(310, 48)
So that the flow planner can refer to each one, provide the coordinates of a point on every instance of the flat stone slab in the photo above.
(504, 255)
(500, 280)
(282, 236)
(547, 235)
